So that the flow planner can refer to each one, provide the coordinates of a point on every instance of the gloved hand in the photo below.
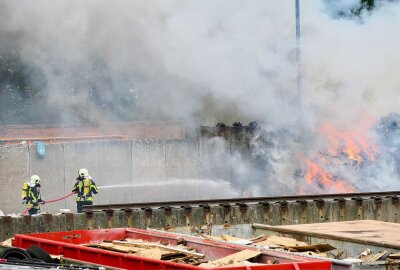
(43, 202)
(23, 201)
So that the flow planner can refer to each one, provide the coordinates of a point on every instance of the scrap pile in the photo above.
(368, 257)
(279, 243)
(177, 254)
(153, 250)
(292, 245)
(237, 259)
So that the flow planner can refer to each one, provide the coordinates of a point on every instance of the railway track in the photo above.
(395, 195)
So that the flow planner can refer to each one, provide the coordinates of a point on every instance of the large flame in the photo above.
(315, 174)
(351, 148)
(354, 144)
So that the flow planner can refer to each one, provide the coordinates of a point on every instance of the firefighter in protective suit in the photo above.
(84, 188)
(31, 195)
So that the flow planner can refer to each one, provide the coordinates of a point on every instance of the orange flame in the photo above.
(351, 143)
(326, 179)
(342, 145)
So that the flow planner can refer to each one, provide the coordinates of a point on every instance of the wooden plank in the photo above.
(153, 253)
(366, 231)
(317, 247)
(111, 246)
(279, 241)
(259, 238)
(142, 244)
(237, 257)
(375, 257)
(394, 256)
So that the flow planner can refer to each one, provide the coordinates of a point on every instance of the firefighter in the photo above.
(31, 195)
(84, 188)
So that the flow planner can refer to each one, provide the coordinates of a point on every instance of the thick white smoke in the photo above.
(209, 61)
(176, 57)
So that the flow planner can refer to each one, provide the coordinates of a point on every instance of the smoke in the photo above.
(205, 61)
(349, 66)
(157, 60)
(210, 61)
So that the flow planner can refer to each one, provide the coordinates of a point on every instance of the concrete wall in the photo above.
(139, 170)
(14, 167)
(198, 219)
(142, 162)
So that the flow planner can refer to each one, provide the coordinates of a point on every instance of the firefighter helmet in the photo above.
(83, 173)
(35, 179)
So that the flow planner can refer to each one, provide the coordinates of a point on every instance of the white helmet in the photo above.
(35, 179)
(83, 173)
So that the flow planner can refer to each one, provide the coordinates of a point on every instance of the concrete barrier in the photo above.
(139, 163)
(201, 219)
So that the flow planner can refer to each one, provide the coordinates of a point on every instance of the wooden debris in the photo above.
(233, 258)
(316, 247)
(141, 244)
(259, 238)
(111, 246)
(274, 241)
(375, 257)
(394, 256)
(337, 256)
(153, 253)
(153, 250)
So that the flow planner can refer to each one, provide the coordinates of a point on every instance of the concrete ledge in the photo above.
(195, 218)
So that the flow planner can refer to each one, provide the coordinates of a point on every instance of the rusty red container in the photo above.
(68, 245)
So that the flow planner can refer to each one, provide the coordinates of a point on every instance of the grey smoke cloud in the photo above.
(209, 61)
(204, 60)
(179, 55)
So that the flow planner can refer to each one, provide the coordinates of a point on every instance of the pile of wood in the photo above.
(177, 254)
(153, 250)
(279, 243)
(368, 257)
(292, 245)
(236, 259)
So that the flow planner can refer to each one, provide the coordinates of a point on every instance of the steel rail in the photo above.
(243, 201)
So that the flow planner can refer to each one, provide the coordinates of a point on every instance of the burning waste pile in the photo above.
(336, 160)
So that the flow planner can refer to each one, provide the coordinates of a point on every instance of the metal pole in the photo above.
(298, 53)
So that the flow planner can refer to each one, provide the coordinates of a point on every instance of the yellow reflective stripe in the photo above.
(32, 196)
(85, 186)
(24, 193)
(94, 187)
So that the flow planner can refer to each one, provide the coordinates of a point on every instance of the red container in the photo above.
(68, 245)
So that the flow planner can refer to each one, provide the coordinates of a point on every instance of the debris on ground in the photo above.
(369, 257)
(178, 253)
(324, 250)
(236, 259)
(153, 250)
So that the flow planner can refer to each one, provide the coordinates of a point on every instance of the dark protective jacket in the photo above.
(85, 188)
(31, 195)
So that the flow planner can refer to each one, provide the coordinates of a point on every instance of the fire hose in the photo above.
(50, 201)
